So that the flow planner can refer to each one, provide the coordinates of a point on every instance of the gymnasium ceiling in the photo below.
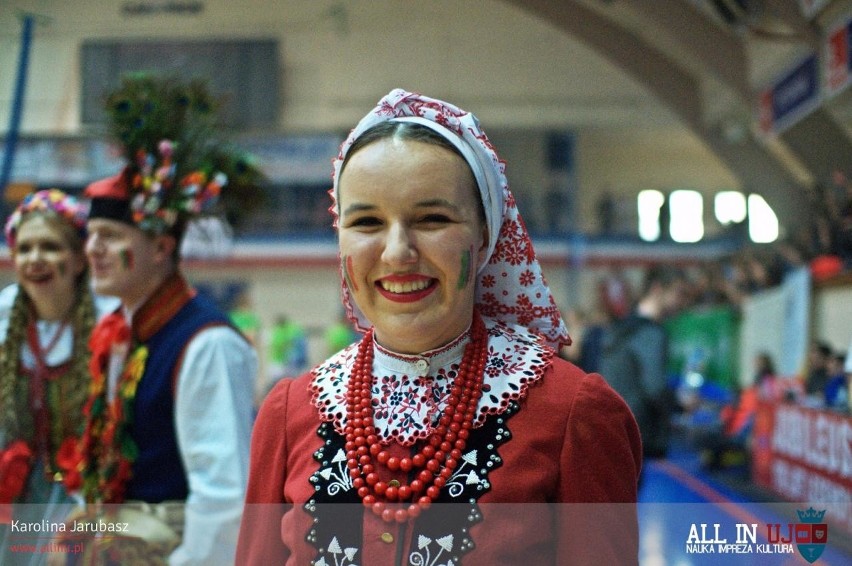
(706, 61)
(632, 65)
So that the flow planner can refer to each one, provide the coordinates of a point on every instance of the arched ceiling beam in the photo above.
(816, 140)
(678, 90)
(670, 83)
(716, 49)
(790, 12)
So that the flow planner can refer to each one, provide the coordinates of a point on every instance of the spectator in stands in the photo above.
(768, 385)
(288, 349)
(836, 388)
(244, 316)
(819, 356)
(615, 300)
(728, 444)
(339, 334)
(702, 289)
(635, 356)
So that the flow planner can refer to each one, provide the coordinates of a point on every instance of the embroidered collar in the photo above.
(160, 307)
(411, 391)
(416, 364)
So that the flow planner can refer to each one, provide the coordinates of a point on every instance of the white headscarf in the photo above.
(510, 286)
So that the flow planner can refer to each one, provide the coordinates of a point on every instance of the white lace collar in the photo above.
(411, 391)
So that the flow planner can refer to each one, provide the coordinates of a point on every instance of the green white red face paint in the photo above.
(464, 272)
(126, 259)
(348, 273)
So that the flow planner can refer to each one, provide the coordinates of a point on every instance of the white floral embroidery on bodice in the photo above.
(409, 392)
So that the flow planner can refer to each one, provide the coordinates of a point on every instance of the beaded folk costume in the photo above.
(408, 448)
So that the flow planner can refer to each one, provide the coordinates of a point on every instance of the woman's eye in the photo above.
(437, 217)
(364, 221)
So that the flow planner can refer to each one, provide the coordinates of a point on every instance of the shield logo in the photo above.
(811, 534)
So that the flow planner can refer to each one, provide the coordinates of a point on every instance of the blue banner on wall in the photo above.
(791, 97)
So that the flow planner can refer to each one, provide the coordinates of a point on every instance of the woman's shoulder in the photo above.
(591, 383)
(567, 385)
(287, 394)
(534, 369)
(565, 377)
(7, 299)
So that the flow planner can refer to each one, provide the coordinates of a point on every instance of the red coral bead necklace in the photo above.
(434, 463)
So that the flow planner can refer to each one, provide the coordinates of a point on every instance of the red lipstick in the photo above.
(411, 296)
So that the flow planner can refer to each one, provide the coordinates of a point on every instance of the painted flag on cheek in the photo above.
(126, 259)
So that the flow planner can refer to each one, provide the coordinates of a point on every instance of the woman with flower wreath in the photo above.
(45, 322)
(452, 432)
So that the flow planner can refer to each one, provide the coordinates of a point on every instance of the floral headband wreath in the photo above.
(53, 201)
(150, 195)
(510, 285)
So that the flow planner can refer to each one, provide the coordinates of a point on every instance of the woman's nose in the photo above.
(399, 246)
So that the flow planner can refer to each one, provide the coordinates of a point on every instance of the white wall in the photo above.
(832, 315)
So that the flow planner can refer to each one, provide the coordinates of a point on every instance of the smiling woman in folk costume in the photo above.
(45, 321)
(454, 395)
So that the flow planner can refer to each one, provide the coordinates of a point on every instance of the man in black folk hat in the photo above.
(170, 414)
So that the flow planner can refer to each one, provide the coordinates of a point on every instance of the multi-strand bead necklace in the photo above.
(433, 464)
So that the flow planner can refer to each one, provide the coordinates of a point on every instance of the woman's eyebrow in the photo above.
(358, 207)
(436, 202)
(440, 202)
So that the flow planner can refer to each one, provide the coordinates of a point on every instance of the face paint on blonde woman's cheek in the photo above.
(464, 272)
(348, 273)
(126, 259)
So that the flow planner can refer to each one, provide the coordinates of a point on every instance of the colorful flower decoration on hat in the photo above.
(51, 200)
(178, 159)
(159, 198)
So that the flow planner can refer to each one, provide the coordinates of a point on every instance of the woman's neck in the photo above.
(427, 350)
(56, 309)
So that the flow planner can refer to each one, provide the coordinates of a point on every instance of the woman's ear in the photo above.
(483, 247)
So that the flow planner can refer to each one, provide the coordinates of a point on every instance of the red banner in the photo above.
(805, 455)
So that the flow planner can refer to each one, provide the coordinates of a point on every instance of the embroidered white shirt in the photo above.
(410, 392)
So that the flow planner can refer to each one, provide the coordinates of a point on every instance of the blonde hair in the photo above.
(65, 396)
